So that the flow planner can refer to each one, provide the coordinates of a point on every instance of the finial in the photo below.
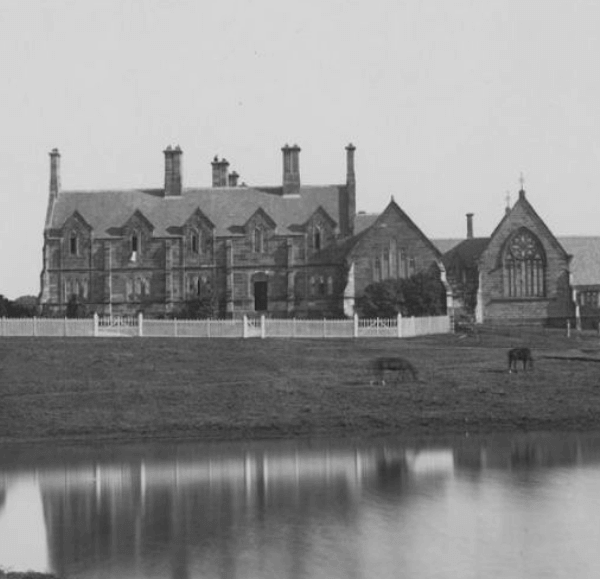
(522, 181)
(392, 198)
(507, 198)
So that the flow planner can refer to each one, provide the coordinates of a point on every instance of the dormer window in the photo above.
(73, 244)
(135, 243)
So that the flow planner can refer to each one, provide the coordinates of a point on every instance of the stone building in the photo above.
(284, 250)
(520, 274)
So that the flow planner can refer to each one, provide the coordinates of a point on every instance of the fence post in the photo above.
(263, 327)
(245, 326)
(65, 327)
(95, 324)
(175, 326)
(355, 328)
(140, 324)
(3, 326)
(294, 327)
(34, 326)
(568, 328)
(208, 328)
(399, 324)
(324, 329)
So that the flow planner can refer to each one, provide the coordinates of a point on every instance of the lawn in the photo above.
(134, 388)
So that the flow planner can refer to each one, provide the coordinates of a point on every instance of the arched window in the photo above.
(377, 272)
(258, 240)
(135, 242)
(322, 286)
(73, 244)
(524, 266)
(317, 238)
(195, 242)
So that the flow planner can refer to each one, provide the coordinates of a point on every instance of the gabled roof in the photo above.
(364, 224)
(528, 208)
(226, 207)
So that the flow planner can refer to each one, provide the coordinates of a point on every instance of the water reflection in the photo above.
(493, 506)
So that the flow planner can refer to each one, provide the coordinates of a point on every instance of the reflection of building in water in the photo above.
(176, 515)
(23, 543)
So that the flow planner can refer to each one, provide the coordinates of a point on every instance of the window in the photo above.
(258, 241)
(524, 266)
(313, 286)
(402, 264)
(412, 266)
(322, 286)
(330, 285)
(317, 238)
(195, 242)
(73, 244)
(588, 298)
(377, 270)
(386, 263)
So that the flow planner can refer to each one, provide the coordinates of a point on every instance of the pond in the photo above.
(495, 506)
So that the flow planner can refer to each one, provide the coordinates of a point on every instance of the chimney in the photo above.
(469, 226)
(54, 173)
(350, 189)
(291, 170)
(173, 186)
(233, 179)
(219, 172)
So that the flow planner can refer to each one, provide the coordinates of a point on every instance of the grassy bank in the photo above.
(118, 389)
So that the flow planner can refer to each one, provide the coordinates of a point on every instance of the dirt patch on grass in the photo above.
(116, 389)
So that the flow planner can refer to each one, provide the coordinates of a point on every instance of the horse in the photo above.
(396, 364)
(522, 354)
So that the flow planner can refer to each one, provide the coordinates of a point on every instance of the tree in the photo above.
(22, 307)
(422, 294)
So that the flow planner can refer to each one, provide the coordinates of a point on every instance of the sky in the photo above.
(447, 104)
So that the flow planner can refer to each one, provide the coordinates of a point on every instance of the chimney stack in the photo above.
(350, 189)
(54, 172)
(233, 179)
(291, 170)
(469, 225)
(219, 172)
(173, 183)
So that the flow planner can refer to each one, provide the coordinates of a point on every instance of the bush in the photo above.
(422, 294)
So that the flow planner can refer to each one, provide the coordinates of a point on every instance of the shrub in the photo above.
(422, 294)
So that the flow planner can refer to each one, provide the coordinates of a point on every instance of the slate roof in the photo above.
(466, 253)
(585, 265)
(363, 221)
(227, 207)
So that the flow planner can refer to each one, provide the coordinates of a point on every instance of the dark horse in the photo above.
(522, 354)
(401, 366)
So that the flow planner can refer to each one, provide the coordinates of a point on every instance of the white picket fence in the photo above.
(122, 326)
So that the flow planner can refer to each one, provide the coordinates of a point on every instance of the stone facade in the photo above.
(520, 273)
(282, 250)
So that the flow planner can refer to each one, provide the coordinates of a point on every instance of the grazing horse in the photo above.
(401, 366)
(522, 354)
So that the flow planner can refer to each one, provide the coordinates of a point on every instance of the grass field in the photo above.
(122, 389)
